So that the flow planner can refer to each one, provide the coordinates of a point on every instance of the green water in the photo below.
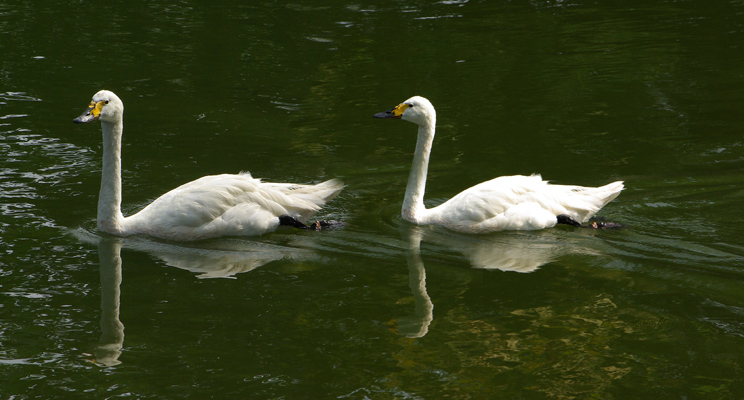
(649, 92)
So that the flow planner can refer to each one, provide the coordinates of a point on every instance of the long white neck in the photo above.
(413, 203)
(110, 218)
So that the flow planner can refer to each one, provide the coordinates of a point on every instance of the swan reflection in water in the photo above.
(205, 262)
(514, 252)
(417, 325)
(112, 330)
(510, 252)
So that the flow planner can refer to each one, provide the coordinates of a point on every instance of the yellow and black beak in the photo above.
(395, 113)
(92, 113)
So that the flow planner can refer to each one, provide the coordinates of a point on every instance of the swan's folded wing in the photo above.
(494, 197)
(240, 200)
(491, 198)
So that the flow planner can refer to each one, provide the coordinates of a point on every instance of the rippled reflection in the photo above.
(230, 258)
(205, 262)
(112, 330)
(225, 259)
(416, 326)
(511, 251)
(508, 252)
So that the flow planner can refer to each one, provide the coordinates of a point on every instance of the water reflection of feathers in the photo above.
(206, 262)
(522, 252)
(517, 252)
(506, 252)
(222, 263)
(228, 258)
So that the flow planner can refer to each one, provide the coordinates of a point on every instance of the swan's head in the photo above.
(416, 109)
(105, 106)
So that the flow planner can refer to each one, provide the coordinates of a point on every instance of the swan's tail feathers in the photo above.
(610, 191)
(306, 200)
(317, 225)
(329, 189)
(581, 202)
(599, 197)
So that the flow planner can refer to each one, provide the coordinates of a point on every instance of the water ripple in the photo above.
(17, 96)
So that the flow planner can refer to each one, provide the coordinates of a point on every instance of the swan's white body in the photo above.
(211, 206)
(504, 203)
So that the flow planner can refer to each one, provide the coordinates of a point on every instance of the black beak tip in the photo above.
(386, 115)
(86, 117)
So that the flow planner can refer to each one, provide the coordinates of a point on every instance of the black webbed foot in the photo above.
(567, 220)
(593, 224)
(596, 224)
(326, 224)
(288, 220)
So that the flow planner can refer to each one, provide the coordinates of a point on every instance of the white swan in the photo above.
(504, 203)
(211, 206)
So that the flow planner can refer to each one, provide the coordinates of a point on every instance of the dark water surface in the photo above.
(649, 92)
